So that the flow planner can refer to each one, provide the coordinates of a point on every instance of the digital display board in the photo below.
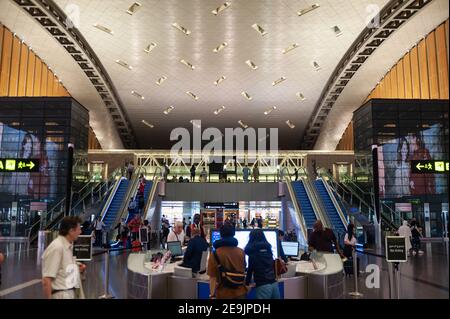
(433, 167)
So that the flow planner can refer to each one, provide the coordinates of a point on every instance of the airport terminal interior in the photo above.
(134, 133)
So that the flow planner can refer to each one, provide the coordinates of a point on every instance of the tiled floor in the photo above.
(424, 276)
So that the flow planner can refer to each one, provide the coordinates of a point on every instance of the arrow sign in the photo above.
(30, 165)
(429, 167)
(419, 166)
(16, 165)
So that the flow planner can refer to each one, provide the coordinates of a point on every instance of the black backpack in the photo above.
(228, 278)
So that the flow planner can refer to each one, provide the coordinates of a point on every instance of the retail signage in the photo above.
(231, 205)
(18, 165)
(82, 248)
(396, 249)
(434, 167)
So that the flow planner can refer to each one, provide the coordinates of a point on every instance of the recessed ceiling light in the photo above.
(195, 97)
(251, 64)
(242, 124)
(150, 47)
(136, 94)
(134, 8)
(316, 66)
(300, 96)
(278, 81)
(186, 63)
(337, 31)
(148, 124)
(104, 29)
(168, 110)
(247, 96)
(220, 47)
(161, 80)
(182, 29)
(259, 29)
(309, 9)
(220, 80)
(292, 126)
(290, 48)
(267, 112)
(221, 8)
(220, 109)
(124, 64)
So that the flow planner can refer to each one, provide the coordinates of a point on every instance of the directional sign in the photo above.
(427, 167)
(14, 165)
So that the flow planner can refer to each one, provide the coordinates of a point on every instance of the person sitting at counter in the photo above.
(193, 255)
(230, 258)
(177, 233)
(323, 239)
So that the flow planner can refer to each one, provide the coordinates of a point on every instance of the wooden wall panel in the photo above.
(50, 77)
(30, 73)
(37, 77)
(6, 63)
(408, 80)
(432, 66)
(423, 70)
(15, 64)
(394, 84)
(415, 74)
(44, 77)
(441, 47)
(22, 85)
(400, 80)
(2, 32)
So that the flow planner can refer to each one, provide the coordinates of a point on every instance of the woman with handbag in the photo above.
(261, 266)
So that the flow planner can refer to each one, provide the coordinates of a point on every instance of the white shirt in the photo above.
(176, 237)
(59, 263)
(350, 242)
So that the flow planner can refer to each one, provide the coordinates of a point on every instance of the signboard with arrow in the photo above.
(429, 167)
(14, 165)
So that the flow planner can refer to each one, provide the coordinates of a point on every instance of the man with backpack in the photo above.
(226, 267)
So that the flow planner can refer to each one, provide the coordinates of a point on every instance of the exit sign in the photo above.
(433, 167)
(14, 165)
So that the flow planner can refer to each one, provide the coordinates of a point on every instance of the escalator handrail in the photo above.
(110, 198)
(335, 203)
(317, 206)
(301, 218)
(156, 179)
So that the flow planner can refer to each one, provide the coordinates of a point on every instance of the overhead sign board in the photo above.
(396, 249)
(433, 167)
(14, 165)
(231, 205)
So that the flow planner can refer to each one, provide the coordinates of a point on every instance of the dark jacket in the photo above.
(193, 255)
(260, 264)
(226, 242)
(280, 249)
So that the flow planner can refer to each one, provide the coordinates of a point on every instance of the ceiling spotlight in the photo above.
(290, 48)
(309, 9)
(124, 64)
(136, 94)
(242, 124)
(300, 96)
(148, 124)
(259, 29)
(134, 8)
(292, 126)
(192, 95)
(182, 29)
(168, 110)
(337, 31)
(220, 47)
(221, 8)
(220, 80)
(161, 80)
(247, 96)
(220, 109)
(150, 47)
(104, 29)
(251, 64)
(282, 79)
(267, 112)
(316, 66)
(186, 63)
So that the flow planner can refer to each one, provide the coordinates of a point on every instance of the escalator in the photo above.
(335, 214)
(147, 189)
(114, 203)
(304, 201)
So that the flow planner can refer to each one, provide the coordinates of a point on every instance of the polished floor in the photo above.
(423, 277)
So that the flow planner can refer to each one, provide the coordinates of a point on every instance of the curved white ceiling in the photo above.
(153, 23)
(73, 78)
(378, 64)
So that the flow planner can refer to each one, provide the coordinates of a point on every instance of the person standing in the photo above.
(350, 246)
(203, 176)
(246, 173)
(416, 233)
(256, 174)
(193, 173)
(280, 247)
(166, 172)
(323, 239)
(130, 170)
(60, 272)
(98, 227)
(135, 225)
(177, 233)
(405, 231)
(261, 266)
(194, 251)
(296, 174)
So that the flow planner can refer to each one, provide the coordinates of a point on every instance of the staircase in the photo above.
(330, 209)
(115, 204)
(305, 204)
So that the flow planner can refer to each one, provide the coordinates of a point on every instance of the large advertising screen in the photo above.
(395, 160)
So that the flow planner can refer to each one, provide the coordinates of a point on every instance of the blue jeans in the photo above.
(269, 291)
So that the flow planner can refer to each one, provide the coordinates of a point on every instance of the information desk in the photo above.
(301, 281)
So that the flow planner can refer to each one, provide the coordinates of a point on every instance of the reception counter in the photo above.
(302, 281)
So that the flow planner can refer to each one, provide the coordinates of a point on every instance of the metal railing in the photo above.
(299, 214)
(335, 203)
(148, 205)
(316, 203)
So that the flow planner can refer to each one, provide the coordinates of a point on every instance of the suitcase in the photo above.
(348, 267)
